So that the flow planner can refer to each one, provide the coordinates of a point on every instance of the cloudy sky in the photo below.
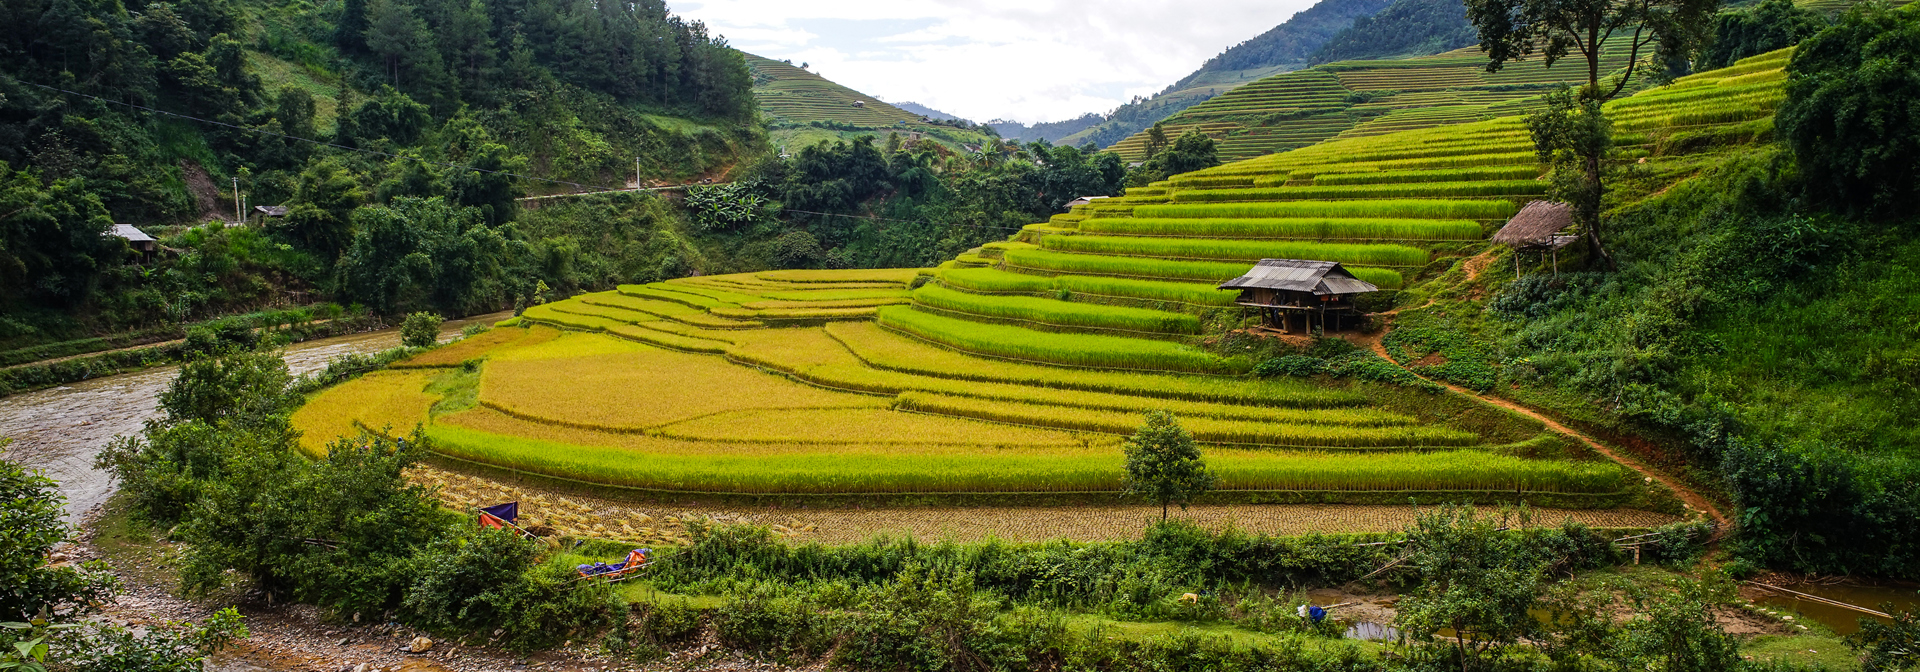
(1027, 60)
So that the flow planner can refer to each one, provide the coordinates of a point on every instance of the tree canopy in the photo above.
(1852, 113)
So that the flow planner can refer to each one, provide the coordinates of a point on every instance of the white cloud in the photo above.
(1029, 60)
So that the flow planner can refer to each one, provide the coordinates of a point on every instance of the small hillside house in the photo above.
(1083, 200)
(1285, 288)
(1538, 228)
(137, 240)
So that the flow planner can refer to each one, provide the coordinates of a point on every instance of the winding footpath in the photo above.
(1693, 499)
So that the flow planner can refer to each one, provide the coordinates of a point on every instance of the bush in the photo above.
(421, 330)
(1850, 111)
(1290, 365)
(30, 516)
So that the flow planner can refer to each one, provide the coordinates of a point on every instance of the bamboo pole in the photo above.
(1821, 600)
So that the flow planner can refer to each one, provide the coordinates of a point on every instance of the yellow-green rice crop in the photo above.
(471, 347)
(773, 314)
(775, 304)
(1148, 290)
(1479, 188)
(859, 425)
(1058, 313)
(664, 294)
(1305, 228)
(629, 387)
(1083, 350)
(902, 276)
(1443, 175)
(1247, 250)
(887, 350)
(669, 310)
(1207, 429)
(641, 333)
(378, 399)
(822, 295)
(1158, 269)
(645, 462)
(1410, 208)
(990, 281)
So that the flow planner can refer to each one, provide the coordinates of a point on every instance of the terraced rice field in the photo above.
(1014, 377)
(1365, 98)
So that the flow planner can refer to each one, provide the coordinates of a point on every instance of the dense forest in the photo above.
(1407, 27)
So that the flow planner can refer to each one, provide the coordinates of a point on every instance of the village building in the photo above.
(1083, 200)
(1300, 291)
(137, 240)
(1538, 228)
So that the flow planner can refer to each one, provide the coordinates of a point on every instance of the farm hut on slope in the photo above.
(1283, 288)
(137, 240)
(1538, 228)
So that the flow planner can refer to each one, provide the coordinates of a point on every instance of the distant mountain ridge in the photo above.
(927, 112)
(1287, 46)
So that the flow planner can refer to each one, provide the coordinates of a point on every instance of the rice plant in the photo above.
(1302, 433)
(1085, 350)
(1244, 250)
(1476, 188)
(1443, 175)
(1058, 313)
(1294, 228)
(880, 348)
(1407, 208)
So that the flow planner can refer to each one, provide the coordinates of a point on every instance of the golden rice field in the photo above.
(635, 397)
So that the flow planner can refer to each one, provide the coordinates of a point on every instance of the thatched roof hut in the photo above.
(1536, 225)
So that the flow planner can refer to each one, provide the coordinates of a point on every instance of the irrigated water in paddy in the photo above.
(58, 430)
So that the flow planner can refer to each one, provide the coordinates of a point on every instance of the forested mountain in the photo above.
(1285, 47)
(802, 109)
(437, 115)
(1405, 28)
(925, 111)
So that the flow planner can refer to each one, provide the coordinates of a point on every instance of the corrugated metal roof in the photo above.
(131, 234)
(1300, 275)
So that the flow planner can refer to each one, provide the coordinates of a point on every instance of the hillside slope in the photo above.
(1361, 98)
(1284, 47)
(803, 108)
(1406, 28)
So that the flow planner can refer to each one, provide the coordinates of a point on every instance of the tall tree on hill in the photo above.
(1574, 134)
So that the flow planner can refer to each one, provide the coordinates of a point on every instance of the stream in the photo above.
(58, 430)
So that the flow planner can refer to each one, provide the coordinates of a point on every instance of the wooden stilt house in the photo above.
(1537, 228)
(1286, 291)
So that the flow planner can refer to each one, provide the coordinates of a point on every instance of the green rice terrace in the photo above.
(1011, 374)
(1350, 99)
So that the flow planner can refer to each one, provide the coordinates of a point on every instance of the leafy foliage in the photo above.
(1849, 113)
(1771, 25)
(420, 330)
(1475, 581)
(1164, 465)
(30, 514)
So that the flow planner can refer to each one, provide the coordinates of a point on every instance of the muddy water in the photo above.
(1839, 619)
(58, 430)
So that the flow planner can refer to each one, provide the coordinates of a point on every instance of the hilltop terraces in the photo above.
(1393, 208)
(788, 93)
(1363, 98)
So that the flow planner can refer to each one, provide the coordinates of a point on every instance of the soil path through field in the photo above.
(1692, 498)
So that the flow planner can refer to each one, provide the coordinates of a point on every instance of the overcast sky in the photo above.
(1027, 60)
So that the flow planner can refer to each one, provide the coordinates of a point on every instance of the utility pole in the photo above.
(238, 217)
(636, 173)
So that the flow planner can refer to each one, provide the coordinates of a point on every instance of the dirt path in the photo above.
(1693, 499)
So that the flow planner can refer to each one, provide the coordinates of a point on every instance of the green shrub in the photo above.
(1290, 365)
(420, 330)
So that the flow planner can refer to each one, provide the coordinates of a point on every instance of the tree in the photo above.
(1852, 113)
(1164, 465)
(1574, 136)
(53, 239)
(420, 330)
(1192, 151)
(1512, 30)
(1475, 579)
(1156, 138)
(1774, 24)
(322, 204)
(30, 510)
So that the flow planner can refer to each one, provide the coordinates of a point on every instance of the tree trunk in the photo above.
(1163, 512)
(1592, 213)
(1593, 58)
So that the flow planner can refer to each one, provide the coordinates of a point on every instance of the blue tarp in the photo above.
(509, 511)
